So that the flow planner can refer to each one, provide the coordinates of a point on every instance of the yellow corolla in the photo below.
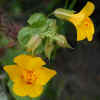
(81, 20)
(29, 75)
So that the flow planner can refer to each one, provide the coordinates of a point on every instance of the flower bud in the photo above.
(62, 42)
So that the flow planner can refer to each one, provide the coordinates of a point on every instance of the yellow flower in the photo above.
(81, 20)
(28, 75)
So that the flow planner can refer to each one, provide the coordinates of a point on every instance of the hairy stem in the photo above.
(72, 4)
(66, 4)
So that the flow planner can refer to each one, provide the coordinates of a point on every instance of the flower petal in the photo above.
(20, 88)
(28, 61)
(13, 72)
(85, 30)
(91, 29)
(88, 9)
(35, 91)
(77, 18)
(44, 75)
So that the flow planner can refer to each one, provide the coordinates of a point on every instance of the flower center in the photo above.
(29, 76)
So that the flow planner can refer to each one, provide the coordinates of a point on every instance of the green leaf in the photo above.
(62, 42)
(34, 43)
(25, 34)
(51, 30)
(37, 20)
(49, 47)
(40, 49)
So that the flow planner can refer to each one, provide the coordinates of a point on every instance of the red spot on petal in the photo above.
(86, 24)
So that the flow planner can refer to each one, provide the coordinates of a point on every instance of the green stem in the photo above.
(66, 4)
(72, 4)
(52, 4)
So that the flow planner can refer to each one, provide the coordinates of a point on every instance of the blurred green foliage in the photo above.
(41, 35)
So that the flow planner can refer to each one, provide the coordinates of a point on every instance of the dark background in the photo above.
(83, 64)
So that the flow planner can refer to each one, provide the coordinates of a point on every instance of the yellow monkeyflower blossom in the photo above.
(29, 75)
(81, 20)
